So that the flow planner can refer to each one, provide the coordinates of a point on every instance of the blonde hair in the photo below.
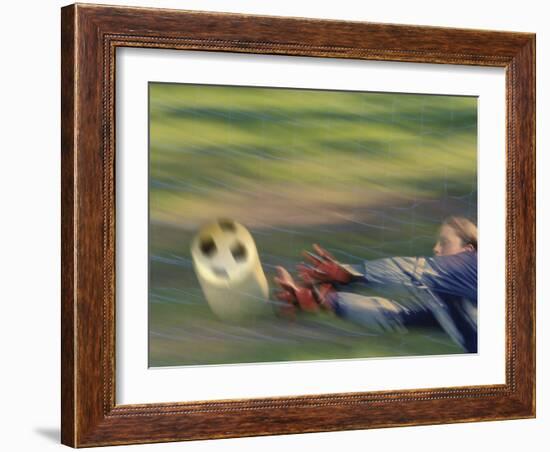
(464, 229)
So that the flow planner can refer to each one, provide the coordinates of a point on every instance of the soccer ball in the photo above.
(229, 271)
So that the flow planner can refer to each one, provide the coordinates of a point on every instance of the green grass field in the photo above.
(367, 175)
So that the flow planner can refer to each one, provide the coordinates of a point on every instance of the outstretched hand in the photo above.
(300, 297)
(323, 268)
(294, 295)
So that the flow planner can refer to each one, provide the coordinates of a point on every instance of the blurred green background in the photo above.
(366, 175)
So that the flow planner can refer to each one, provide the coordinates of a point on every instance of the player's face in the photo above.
(449, 243)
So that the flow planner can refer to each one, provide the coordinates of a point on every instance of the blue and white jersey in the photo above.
(441, 288)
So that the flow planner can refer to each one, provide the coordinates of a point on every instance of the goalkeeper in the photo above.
(439, 290)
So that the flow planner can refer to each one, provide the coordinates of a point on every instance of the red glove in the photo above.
(324, 293)
(325, 268)
(294, 295)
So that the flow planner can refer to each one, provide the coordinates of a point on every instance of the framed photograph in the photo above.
(281, 225)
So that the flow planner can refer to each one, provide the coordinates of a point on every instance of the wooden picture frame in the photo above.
(90, 36)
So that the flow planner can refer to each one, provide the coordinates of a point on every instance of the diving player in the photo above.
(439, 290)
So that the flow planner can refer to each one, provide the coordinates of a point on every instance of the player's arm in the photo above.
(380, 314)
(453, 275)
(324, 267)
